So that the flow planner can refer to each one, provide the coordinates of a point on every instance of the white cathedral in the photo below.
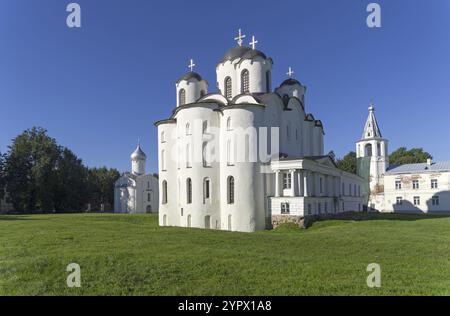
(135, 191)
(211, 170)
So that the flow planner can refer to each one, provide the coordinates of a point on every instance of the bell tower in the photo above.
(372, 155)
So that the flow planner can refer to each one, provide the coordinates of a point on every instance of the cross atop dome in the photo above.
(253, 42)
(191, 65)
(240, 38)
(290, 73)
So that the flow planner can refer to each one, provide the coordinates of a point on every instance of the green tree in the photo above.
(2, 176)
(404, 156)
(71, 193)
(101, 187)
(30, 170)
(348, 163)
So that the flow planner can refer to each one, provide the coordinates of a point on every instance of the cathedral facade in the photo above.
(135, 191)
(238, 158)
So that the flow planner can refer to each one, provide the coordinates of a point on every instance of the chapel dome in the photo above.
(138, 154)
(242, 52)
(290, 82)
(190, 75)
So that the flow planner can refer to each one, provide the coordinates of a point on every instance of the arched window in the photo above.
(188, 156)
(206, 189)
(205, 155)
(188, 129)
(165, 220)
(188, 190)
(164, 192)
(368, 149)
(268, 81)
(163, 137)
(245, 81)
(229, 123)
(205, 127)
(182, 97)
(228, 86)
(163, 160)
(149, 209)
(230, 190)
(285, 100)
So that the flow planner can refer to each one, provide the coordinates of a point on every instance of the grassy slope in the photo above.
(131, 255)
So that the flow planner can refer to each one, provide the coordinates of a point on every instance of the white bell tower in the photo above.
(372, 154)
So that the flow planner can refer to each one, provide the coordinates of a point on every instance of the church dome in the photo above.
(290, 82)
(242, 52)
(190, 75)
(138, 154)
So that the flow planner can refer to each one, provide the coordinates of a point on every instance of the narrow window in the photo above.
(229, 124)
(435, 200)
(188, 190)
(204, 155)
(163, 137)
(148, 197)
(245, 81)
(287, 180)
(434, 183)
(229, 222)
(164, 192)
(368, 150)
(182, 97)
(398, 184)
(230, 186)
(205, 127)
(378, 149)
(206, 190)
(321, 185)
(268, 81)
(228, 93)
(415, 184)
(188, 129)
(284, 208)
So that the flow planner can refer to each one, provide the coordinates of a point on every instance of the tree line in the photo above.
(401, 156)
(37, 174)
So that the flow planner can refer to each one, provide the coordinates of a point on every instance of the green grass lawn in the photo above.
(131, 255)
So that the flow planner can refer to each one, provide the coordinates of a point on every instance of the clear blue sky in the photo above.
(99, 88)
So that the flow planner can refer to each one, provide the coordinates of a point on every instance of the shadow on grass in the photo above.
(17, 218)
(404, 216)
